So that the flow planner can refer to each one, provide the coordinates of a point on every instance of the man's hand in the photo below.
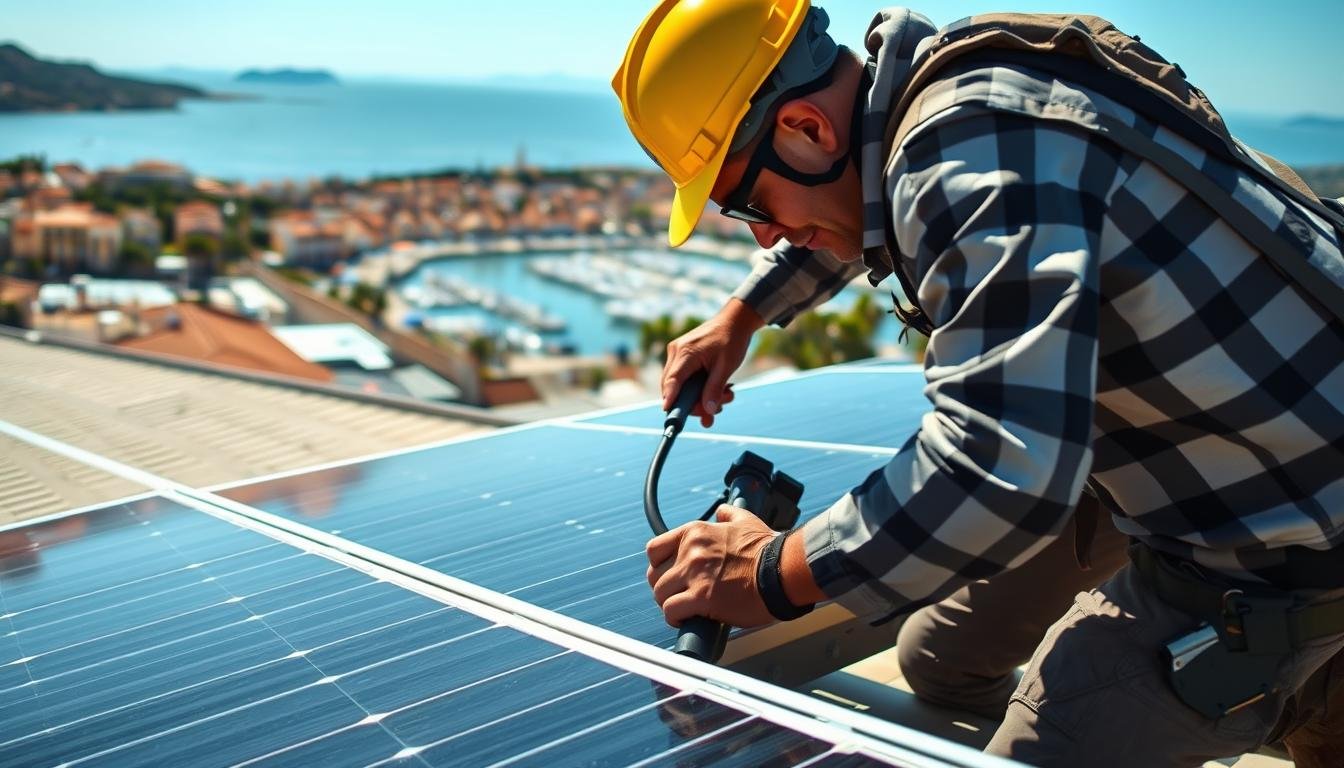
(709, 569)
(718, 345)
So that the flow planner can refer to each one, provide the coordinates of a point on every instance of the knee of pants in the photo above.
(920, 665)
(941, 666)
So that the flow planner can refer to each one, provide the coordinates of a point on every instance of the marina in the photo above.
(439, 291)
(644, 286)
(603, 295)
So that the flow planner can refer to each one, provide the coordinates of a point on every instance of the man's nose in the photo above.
(766, 234)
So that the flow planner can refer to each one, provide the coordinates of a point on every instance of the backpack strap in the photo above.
(1288, 175)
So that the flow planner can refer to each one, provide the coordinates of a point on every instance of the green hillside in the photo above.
(31, 84)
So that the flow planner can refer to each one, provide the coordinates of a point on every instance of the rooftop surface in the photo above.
(335, 343)
(196, 428)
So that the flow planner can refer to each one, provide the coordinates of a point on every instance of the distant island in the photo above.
(1315, 121)
(29, 84)
(287, 76)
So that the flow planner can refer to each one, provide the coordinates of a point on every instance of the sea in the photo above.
(352, 129)
(358, 129)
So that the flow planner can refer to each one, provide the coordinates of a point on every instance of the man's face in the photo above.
(827, 217)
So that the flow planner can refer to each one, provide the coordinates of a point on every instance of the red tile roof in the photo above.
(17, 290)
(213, 337)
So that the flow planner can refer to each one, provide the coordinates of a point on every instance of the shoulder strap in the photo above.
(1288, 175)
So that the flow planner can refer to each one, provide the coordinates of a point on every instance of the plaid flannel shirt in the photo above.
(1091, 316)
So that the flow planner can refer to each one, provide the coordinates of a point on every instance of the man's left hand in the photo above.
(709, 569)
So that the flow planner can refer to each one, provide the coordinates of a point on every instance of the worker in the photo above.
(1126, 311)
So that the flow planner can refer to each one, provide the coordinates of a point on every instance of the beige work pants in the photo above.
(1095, 692)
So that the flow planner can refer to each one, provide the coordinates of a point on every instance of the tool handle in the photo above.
(703, 639)
(690, 393)
(706, 639)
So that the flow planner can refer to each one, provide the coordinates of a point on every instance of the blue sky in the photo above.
(1249, 56)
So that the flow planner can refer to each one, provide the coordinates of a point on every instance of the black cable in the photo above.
(651, 510)
(674, 422)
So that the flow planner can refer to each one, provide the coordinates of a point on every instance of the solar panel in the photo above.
(876, 362)
(151, 632)
(194, 628)
(869, 405)
(552, 515)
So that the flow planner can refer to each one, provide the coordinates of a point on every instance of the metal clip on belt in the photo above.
(1254, 619)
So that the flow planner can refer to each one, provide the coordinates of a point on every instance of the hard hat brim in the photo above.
(688, 204)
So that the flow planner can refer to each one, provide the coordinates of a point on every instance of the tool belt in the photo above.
(1257, 619)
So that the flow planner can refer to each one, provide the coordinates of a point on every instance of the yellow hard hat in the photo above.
(687, 82)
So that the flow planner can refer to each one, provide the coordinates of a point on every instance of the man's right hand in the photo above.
(718, 345)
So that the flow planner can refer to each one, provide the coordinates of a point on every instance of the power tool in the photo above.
(751, 483)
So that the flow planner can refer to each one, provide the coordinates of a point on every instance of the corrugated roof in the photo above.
(36, 482)
(193, 427)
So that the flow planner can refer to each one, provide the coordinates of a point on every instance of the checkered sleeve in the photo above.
(786, 281)
(998, 217)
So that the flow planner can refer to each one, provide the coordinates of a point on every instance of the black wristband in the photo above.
(771, 585)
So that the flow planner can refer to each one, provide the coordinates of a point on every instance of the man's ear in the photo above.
(802, 128)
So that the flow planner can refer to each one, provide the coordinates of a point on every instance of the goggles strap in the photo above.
(771, 159)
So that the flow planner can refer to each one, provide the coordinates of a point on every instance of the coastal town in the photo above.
(304, 279)
(65, 218)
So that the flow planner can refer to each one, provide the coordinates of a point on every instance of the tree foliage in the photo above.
(595, 377)
(654, 335)
(200, 245)
(137, 257)
(21, 163)
(233, 246)
(816, 339)
(368, 299)
(487, 351)
(11, 314)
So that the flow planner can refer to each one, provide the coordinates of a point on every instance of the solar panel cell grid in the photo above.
(217, 645)
(550, 515)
